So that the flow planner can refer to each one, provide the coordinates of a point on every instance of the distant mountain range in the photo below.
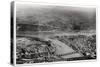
(59, 18)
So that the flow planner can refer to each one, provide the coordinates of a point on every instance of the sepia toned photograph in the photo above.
(54, 33)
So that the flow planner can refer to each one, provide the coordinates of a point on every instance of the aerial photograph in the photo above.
(54, 33)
